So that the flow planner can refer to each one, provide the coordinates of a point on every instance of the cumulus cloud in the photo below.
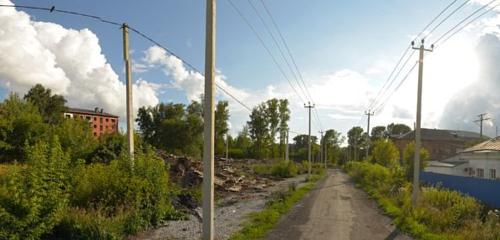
(68, 61)
(480, 96)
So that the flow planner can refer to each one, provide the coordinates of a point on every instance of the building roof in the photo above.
(96, 112)
(442, 134)
(491, 145)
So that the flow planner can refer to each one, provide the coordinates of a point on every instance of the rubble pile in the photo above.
(231, 176)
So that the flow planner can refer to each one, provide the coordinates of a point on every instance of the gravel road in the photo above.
(230, 212)
(335, 209)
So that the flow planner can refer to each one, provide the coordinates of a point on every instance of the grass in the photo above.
(258, 223)
(440, 213)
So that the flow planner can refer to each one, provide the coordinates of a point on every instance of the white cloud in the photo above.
(68, 61)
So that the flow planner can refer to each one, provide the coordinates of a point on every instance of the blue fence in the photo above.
(485, 190)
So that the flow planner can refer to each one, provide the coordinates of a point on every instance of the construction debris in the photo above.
(231, 176)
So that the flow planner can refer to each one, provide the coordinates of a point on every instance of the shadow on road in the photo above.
(395, 233)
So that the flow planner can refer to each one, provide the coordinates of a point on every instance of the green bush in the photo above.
(284, 169)
(115, 188)
(35, 198)
(440, 213)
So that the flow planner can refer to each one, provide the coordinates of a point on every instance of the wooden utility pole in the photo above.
(128, 75)
(309, 107)
(416, 163)
(369, 114)
(481, 120)
(209, 119)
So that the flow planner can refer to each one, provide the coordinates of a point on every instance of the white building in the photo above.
(481, 160)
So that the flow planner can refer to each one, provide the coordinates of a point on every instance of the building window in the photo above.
(493, 173)
(95, 134)
(112, 120)
(88, 117)
(100, 119)
(480, 173)
(95, 118)
(107, 119)
(95, 126)
(100, 127)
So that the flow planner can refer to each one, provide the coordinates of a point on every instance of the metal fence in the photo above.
(485, 190)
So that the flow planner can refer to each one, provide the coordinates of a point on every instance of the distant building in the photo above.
(100, 121)
(440, 143)
(481, 161)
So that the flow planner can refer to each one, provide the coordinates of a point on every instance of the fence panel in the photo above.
(485, 190)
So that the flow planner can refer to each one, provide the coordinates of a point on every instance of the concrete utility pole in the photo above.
(416, 163)
(286, 146)
(128, 75)
(369, 114)
(321, 146)
(208, 131)
(309, 106)
(481, 120)
(227, 146)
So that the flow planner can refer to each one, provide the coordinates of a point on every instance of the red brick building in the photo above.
(100, 121)
(440, 143)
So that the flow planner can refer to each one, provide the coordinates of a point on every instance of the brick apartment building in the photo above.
(440, 143)
(100, 121)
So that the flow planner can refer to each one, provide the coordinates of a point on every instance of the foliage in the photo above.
(110, 147)
(260, 222)
(173, 127)
(20, 125)
(221, 125)
(266, 121)
(440, 213)
(284, 117)
(397, 129)
(356, 139)
(76, 138)
(378, 132)
(36, 198)
(385, 153)
(409, 156)
(50, 106)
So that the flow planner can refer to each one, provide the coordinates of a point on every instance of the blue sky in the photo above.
(329, 40)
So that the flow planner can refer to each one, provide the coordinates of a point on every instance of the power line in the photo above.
(463, 20)
(54, 9)
(382, 91)
(397, 87)
(279, 48)
(265, 47)
(299, 73)
(446, 18)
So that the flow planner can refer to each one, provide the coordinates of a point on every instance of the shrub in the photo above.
(36, 198)
(408, 157)
(385, 153)
(284, 169)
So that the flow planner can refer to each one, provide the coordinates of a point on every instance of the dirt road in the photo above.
(335, 209)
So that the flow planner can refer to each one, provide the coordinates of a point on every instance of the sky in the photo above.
(345, 51)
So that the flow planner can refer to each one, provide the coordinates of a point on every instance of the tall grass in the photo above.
(440, 213)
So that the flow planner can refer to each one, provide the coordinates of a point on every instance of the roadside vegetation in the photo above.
(57, 181)
(440, 213)
(280, 203)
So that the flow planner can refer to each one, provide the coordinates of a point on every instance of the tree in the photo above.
(50, 106)
(273, 116)
(356, 140)
(378, 132)
(284, 117)
(221, 125)
(242, 143)
(397, 129)
(76, 138)
(385, 153)
(409, 157)
(173, 127)
(301, 147)
(258, 127)
(21, 125)
(332, 141)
